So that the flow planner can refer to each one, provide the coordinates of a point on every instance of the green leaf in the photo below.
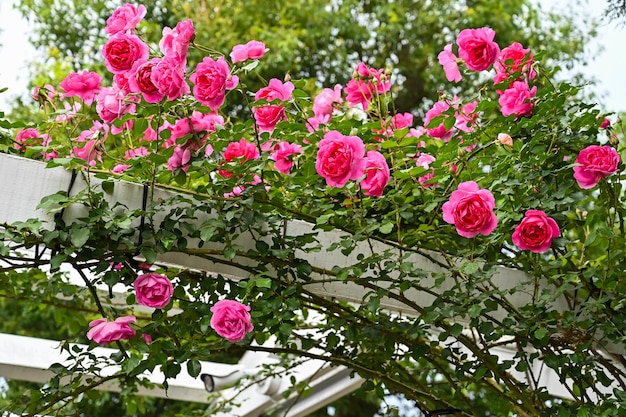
(107, 186)
(79, 235)
(194, 367)
(386, 228)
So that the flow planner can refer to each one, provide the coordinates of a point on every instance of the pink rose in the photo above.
(231, 320)
(121, 81)
(267, 116)
(241, 150)
(606, 123)
(140, 80)
(376, 174)
(211, 80)
(594, 163)
(470, 209)
(366, 82)
(275, 90)
(325, 101)
(179, 159)
(83, 85)
(535, 232)
(440, 131)
(153, 290)
(175, 42)
(516, 100)
(103, 331)
(136, 153)
(283, 156)
(401, 121)
(466, 117)
(514, 58)
(122, 51)
(125, 18)
(251, 50)
(313, 123)
(477, 48)
(198, 124)
(118, 169)
(88, 152)
(28, 137)
(340, 158)
(168, 75)
(113, 104)
(447, 59)
(47, 92)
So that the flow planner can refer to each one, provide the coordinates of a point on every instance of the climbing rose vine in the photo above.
(316, 222)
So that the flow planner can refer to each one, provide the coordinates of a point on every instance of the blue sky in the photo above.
(608, 66)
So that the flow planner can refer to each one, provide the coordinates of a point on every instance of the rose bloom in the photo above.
(535, 232)
(470, 209)
(514, 58)
(516, 100)
(283, 156)
(84, 85)
(153, 290)
(140, 80)
(125, 18)
(122, 51)
(477, 48)
(241, 152)
(324, 102)
(211, 80)
(112, 104)
(401, 121)
(447, 59)
(103, 331)
(88, 152)
(594, 163)
(179, 159)
(466, 117)
(231, 320)
(121, 81)
(440, 131)
(376, 174)
(340, 158)
(267, 116)
(197, 124)
(366, 82)
(168, 75)
(175, 42)
(250, 50)
(27, 137)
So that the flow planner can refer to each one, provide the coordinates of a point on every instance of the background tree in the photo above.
(321, 40)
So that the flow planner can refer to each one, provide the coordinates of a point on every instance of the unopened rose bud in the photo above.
(505, 139)
(605, 123)
(613, 139)
(287, 77)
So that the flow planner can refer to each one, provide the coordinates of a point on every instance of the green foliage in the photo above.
(381, 285)
(319, 41)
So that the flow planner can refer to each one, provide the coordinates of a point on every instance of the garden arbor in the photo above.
(32, 359)
(473, 264)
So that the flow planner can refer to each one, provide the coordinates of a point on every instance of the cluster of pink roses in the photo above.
(470, 209)
(477, 49)
(231, 319)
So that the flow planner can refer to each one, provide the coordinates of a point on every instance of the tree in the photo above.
(321, 41)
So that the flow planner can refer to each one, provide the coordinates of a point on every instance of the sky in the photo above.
(608, 66)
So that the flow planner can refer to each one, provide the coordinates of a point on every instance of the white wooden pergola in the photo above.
(29, 359)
